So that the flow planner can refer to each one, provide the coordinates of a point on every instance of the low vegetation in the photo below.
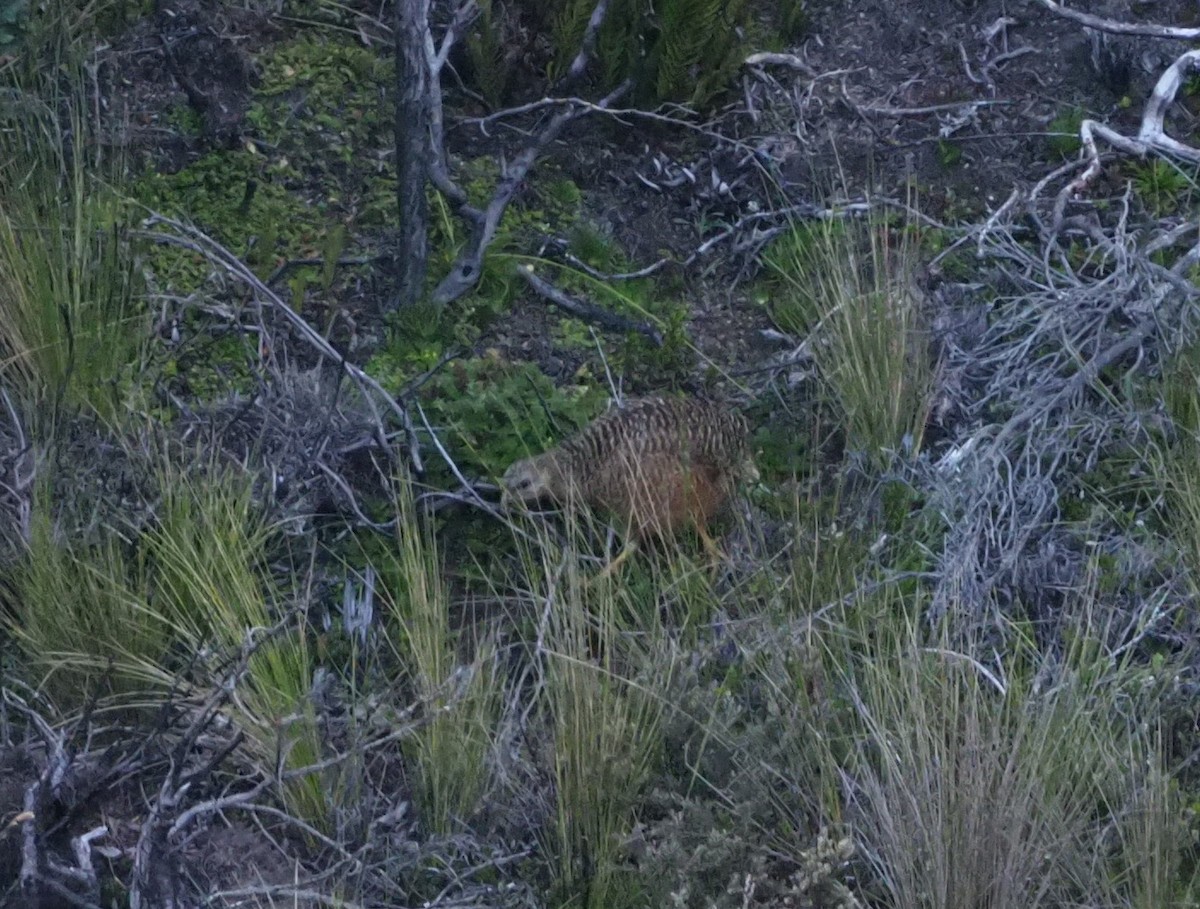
(948, 661)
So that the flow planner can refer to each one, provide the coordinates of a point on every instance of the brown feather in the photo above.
(657, 465)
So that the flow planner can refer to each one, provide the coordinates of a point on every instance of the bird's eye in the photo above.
(524, 483)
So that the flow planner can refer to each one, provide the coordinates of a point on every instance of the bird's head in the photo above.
(533, 480)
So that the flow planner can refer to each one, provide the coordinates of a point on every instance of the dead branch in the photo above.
(588, 46)
(1113, 27)
(1151, 137)
(589, 312)
(188, 237)
(772, 59)
(413, 75)
(435, 59)
(465, 272)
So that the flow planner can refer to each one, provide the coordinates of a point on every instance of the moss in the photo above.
(240, 199)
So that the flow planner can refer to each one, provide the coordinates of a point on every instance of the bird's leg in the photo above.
(621, 557)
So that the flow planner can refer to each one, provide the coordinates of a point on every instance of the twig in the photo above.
(930, 109)
(199, 242)
(789, 60)
(588, 45)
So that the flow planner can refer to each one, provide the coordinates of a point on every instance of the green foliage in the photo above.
(1064, 132)
(242, 201)
(674, 50)
(493, 412)
(696, 52)
(186, 119)
(793, 20)
(336, 79)
(1162, 186)
(323, 120)
(604, 724)
(486, 48)
(655, 365)
(949, 153)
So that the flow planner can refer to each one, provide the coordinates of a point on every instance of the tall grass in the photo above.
(847, 286)
(82, 618)
(208, 554)
(604, 669)
(462, 694)
(71, 327)
(982, 782)
(168, 609)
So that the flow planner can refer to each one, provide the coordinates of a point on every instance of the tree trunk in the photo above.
(412, 149)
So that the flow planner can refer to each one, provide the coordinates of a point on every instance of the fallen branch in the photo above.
(1151, 137)
(790, 60)
(1113, 27)
(588, 312)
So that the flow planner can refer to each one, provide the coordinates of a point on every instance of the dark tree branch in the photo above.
(413, 123)
(589, 312)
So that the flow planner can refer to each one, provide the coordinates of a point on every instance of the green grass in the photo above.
(603, 673)
(83, 623)
(848, 287)
(71, 326)
(461, 701)
(208, 552)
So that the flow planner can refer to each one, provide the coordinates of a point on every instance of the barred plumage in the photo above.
(656, 465)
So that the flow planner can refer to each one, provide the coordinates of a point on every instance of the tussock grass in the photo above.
(461, 694)
(82, 620)
(71, 327)
(847, 285)
(600, 664)
(1008, 781)
(208, 554)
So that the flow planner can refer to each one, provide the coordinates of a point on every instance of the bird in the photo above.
(656, 465)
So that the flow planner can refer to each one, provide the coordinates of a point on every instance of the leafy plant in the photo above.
(674, 50)
(493, 412)
(1064, 132)
(486, 48)
(949, 153)
(1162, 186)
